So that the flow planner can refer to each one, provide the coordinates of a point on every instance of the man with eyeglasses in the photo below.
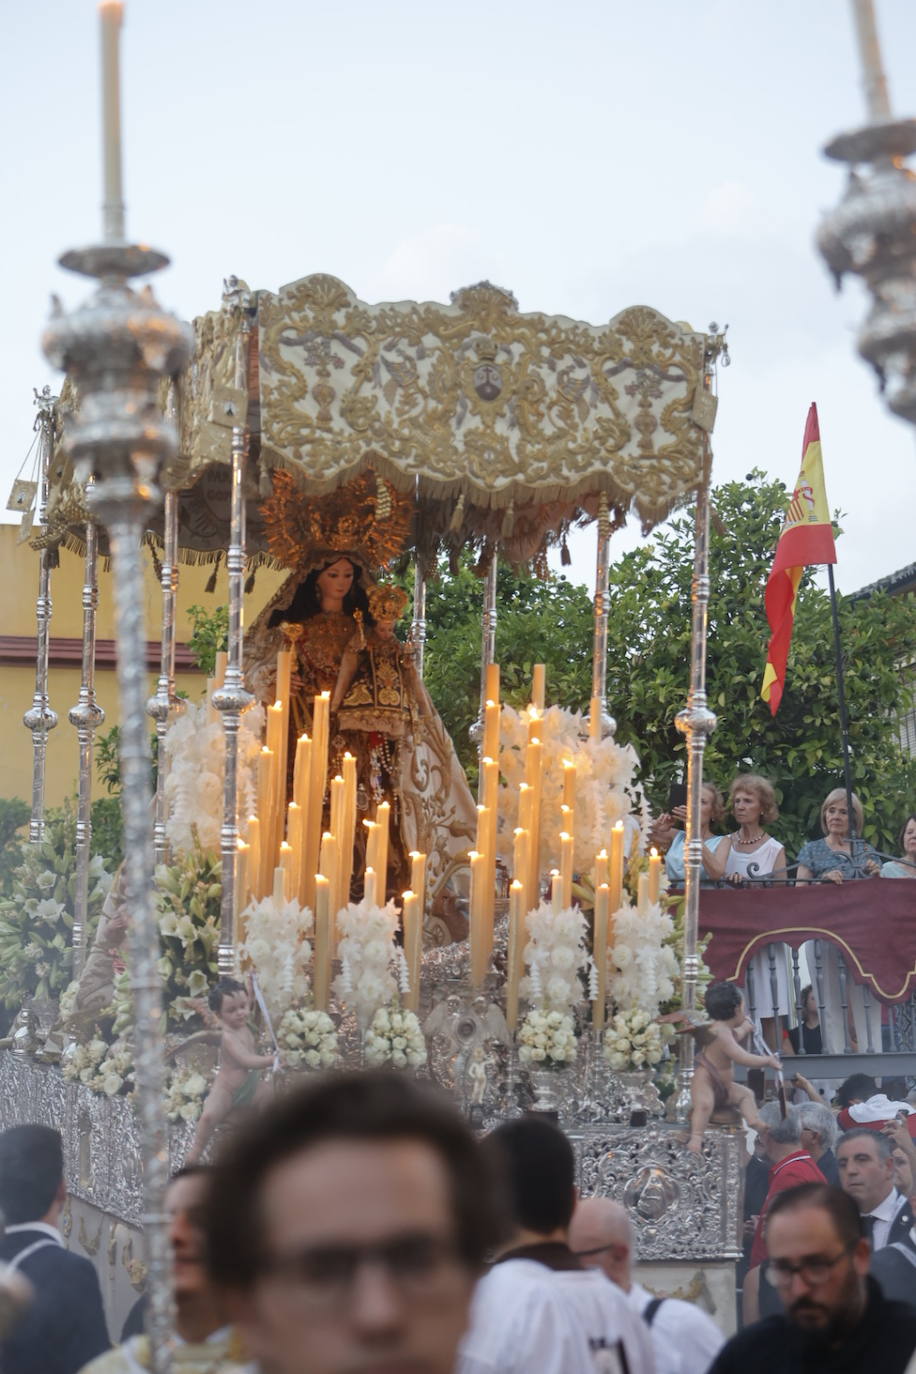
(347, 1225)
(685, 1339)
(835, 1319)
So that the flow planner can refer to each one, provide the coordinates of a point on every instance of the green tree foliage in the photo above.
(14, 814)
(209, 636)
(649, 661)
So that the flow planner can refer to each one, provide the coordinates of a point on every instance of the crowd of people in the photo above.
(358, 1226)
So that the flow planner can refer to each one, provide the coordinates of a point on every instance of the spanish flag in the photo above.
(806, 538)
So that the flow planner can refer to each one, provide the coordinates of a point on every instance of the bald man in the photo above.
(685, 1339)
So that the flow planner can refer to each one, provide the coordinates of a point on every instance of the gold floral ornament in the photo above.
(477, 399)
(365, 520)
(387, 602)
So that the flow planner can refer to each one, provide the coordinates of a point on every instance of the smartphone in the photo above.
(677, 796)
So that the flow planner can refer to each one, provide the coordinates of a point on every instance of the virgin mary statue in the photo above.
(335, 547)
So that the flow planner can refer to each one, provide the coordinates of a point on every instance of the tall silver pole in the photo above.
(116, 347)
(602, 609)
(165, 704)
(697, 722)
(86, 716)
(418, 624)
(40, 719)
(232, 699)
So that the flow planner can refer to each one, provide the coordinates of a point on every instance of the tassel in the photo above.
(565, 555)
(211, 580)
(157, 566)
(457, 515)
(249, 581)
(508, 525)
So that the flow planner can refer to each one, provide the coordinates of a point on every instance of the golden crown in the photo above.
(366, 520)
(387, 602)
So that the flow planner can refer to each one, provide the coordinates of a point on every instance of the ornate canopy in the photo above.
(500, 425)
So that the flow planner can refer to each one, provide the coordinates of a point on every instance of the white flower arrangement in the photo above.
(548, 1038)
(81, 1062)
(186, 1088)
(307, 1039)
(116, 1070)
(395, 1037)
(633, 1040)
(605, 784)
(195, 745)
(277, 944)
(642, 965)
(555, 955)
(367, 980)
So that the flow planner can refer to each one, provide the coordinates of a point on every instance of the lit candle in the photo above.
(566, 868)
(483, 823)
(538, 685)
(383, 821)
(655, 876)
(370, 887)
(301, 768)
(594, 720)
(318, 775)
(491, 684)
(615, 877)
(287, 866)
(254, 855)
(411, 924)
(599, 951)
(323, 943)
(524, 806)
(111, 13)
(478, 944)
(600, 871)
(569, 783)
(337, 804)
(242, 852)
(520, 855)
(371, 844)
(556, 890)
(418, 881)
(348, 828)
(491, 730)
(534, 762)
(642, 894)
(327, 866)
(284, 675)
(515, 951)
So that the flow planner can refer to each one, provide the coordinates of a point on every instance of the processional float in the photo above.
(503, 429)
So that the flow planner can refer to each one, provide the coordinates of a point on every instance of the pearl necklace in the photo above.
(745, 844)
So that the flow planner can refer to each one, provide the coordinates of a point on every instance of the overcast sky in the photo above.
(589, 156)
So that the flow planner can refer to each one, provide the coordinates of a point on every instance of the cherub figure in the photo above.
(713, 1086)
(238, 1082)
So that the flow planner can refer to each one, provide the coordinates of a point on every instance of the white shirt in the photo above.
(679, 1330)
(521, 1325)
(884, 1215)
(607, 1320)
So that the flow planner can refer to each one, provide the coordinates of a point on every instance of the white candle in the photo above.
(478, 943)
(556, 890)
(383, 821)
(615, 878)
(514, 952)
(599, 951)
(655, 876)
(370, 887)
(642, 894)
(411, 924)
(418, 880)
(566, 868)
(111, 13)
(323, 943)
(594, 720)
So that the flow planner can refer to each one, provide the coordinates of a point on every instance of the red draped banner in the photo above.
(872, 922)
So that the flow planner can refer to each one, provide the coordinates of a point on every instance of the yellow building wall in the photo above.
(17, 680)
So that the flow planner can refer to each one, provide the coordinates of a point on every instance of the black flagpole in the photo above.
(844, 716)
